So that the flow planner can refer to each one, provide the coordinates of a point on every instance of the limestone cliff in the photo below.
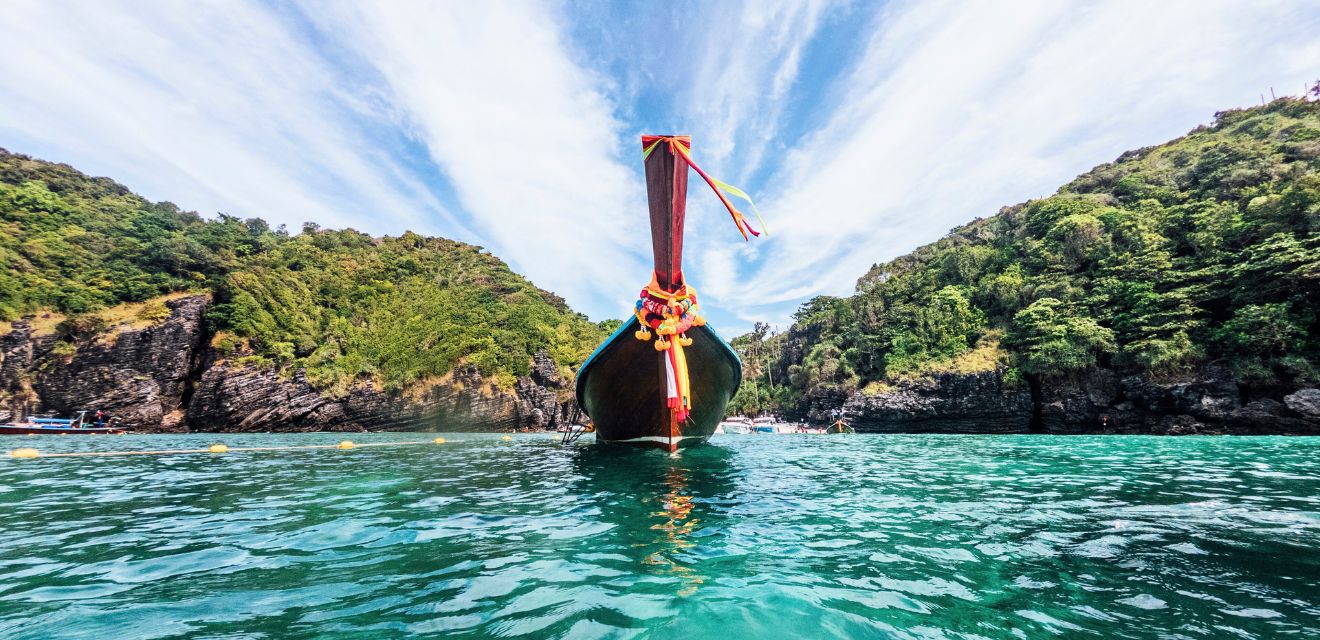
(1206, 401)
(1099, 401)
(165, 377)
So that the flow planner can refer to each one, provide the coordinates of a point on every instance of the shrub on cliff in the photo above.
(348, 307)
(1046, 338)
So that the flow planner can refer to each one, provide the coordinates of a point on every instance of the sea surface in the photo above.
(767, 536)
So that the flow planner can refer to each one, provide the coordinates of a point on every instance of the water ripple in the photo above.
(757, 536)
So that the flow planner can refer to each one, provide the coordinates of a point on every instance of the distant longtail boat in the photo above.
(665, 377)
(62, 426)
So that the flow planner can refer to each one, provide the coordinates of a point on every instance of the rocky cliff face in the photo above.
(141, 376)
(1204, 402)
(16, 354)
(949, 403)
(230, 398)
(166, 378)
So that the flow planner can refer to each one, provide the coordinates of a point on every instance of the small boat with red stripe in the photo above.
(80, 425)
(665, 377)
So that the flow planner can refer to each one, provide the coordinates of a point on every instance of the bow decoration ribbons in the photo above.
(681, 146)
(670, 314)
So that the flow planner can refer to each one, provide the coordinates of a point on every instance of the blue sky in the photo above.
(863, 129)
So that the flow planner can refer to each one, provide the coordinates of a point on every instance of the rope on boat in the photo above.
(29, 452)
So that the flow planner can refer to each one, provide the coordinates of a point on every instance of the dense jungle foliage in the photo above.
(1202, 250)
(345, 306)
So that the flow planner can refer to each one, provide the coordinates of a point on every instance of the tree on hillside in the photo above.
(1048, 338)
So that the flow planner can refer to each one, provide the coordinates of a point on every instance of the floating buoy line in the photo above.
(219, 447)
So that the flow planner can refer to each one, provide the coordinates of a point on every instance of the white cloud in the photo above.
(957, 109)
(743, 70)
(215, 106)
(528, 141)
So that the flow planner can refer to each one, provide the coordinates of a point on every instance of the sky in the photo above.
(862, 129)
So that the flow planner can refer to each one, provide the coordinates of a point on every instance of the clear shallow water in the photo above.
(766, 536)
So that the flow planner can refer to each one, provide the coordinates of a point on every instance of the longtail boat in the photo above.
(60, 426)
(665, 377)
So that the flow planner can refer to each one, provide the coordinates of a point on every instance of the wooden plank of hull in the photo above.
(622, 388)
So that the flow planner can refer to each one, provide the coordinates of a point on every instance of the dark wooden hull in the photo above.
(621, 387)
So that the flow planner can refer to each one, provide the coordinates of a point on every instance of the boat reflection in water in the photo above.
(676, 528)
(663, 507)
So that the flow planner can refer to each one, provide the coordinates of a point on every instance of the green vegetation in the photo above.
(760, 391)
(1204, 249)
(397, 310)
(344, 306)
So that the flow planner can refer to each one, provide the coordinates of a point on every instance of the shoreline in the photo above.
(166, 378)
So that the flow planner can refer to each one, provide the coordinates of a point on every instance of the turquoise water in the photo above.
(755, 536)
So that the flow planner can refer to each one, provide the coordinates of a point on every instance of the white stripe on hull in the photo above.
(657, 439)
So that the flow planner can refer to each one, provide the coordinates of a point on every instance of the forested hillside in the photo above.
(343, 305)
(1203, 250)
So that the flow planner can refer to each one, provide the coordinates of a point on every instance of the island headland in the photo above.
(1172, 291)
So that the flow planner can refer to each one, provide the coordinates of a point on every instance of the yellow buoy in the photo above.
(507, 438)
(346, 444)
(64, 434)
(24, 452)
(439, 440)
(218, 448)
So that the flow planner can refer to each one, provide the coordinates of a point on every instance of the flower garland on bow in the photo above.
(670, 316)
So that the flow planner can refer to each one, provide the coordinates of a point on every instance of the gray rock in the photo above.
(1182, 425)
(139, 376)
(244, 399)
(1305, 402)
(166, 378)
(1101, 387)
(949, 403)
(1207, 401)
(230, 398)
(1266, 416)
(1207, 395)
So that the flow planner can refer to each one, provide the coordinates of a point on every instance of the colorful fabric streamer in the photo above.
(670, 315)
(682, 146)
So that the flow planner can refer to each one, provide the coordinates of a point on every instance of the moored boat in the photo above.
(665, 377)
(57, 426)
(772, 424)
